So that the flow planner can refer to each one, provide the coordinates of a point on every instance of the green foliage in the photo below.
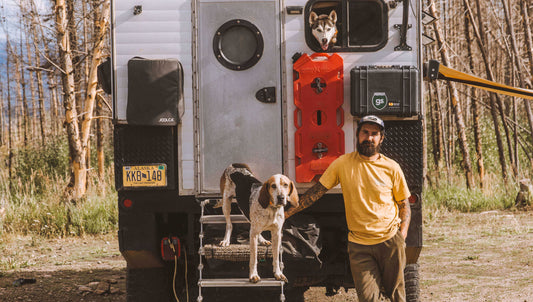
(489, 146)
(453, 197)
(34, 203)
(46, 215)
(35, 165)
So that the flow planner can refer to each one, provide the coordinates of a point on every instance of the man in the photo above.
(377, 212)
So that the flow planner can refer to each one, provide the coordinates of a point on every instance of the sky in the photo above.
(9, 11)
(9, 21)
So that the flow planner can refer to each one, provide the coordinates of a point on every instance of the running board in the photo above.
(240, 282)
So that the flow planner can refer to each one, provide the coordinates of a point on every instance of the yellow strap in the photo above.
(454, 75)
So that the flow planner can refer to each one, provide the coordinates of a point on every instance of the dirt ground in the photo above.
(466, 257)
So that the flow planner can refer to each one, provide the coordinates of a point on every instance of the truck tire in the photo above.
(295, 294)
(231, 294)
(148, 284)
(412, 283)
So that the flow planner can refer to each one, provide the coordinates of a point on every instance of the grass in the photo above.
(33, 204)
(454, 196)
(46, 215)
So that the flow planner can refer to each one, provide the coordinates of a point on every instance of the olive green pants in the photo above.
(377, 270)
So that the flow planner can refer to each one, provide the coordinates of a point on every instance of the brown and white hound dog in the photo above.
(263, 204)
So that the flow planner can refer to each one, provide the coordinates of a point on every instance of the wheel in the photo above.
(231, 294)
(412, 282)
(155, 284)
(295, 294)
(148, 284)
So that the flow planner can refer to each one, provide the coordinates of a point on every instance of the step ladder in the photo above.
(230, 282)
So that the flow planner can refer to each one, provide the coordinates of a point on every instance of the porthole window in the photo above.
(238, 44)
(362, 25)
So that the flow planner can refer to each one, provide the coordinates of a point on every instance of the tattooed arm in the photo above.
(308, 198)
(405, 216)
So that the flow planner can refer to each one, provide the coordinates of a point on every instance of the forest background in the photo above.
(56, 159)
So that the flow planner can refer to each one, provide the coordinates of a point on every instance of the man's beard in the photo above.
(367, 148)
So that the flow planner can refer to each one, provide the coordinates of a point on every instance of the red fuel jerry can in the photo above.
(318, 118)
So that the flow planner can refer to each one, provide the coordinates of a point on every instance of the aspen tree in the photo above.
(474, 104)
(455, 102)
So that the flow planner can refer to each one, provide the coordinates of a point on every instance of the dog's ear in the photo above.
(312, 18)
(333, 16)
(294, 199)
(264, 195)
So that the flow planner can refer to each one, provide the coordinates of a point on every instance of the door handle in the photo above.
(266, 95)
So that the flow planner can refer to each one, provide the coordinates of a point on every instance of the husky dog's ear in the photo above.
(333, 16)
(264, 195)
(312, 18)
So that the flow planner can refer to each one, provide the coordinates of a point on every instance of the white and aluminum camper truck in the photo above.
(200, 84)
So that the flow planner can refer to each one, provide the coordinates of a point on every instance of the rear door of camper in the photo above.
(239, 97)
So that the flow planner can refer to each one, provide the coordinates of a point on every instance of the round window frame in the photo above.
(219, 55)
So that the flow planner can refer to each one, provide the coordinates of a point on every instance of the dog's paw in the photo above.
(264, 242)
(224, 243)
(219, 204)
(255, 278)
(280, 277)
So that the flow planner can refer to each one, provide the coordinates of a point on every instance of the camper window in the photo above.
(362, 25)
(238, 44)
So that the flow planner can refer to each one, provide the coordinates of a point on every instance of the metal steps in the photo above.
(239, 282)
(234, 252)
(237, 250)
(217, 219)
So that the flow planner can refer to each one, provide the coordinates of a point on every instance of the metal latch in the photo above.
(266, 95)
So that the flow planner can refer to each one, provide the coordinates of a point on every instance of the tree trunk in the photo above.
(480, 38)
(456, 107)
(75, 56)
(475, 108)
(519, 65)
(77, 186)
(100, 140)
(2, 134)
(18, 110)
(25, 110)
(99, 30)
(435, 132)
(38, 73)
(529, 49)
(79, 132)
(9, 123)
(40, 38)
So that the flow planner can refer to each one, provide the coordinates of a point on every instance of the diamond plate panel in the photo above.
(138, 145)
(404, 143)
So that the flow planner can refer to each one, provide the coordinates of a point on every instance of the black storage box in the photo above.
(385, 90)
(155, 92)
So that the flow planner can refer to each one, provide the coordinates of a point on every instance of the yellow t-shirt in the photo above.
(371, 190)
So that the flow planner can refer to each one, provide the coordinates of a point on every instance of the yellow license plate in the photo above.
(144, 176)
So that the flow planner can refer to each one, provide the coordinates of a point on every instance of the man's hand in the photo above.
(405, 216)
(308, 198)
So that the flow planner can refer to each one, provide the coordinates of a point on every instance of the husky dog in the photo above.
(324, 29)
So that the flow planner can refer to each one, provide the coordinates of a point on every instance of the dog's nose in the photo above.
(324, 41)
(281, 200)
